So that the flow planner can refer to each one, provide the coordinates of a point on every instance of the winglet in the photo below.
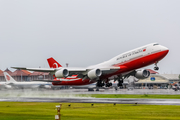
(53, 63)
(8, 78)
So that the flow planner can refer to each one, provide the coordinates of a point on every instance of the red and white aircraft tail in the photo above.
(8, 78)
(53, 63)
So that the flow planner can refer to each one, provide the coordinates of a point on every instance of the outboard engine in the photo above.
(142, 74)
(62, 73)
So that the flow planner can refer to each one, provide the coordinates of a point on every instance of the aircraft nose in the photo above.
(164, 48)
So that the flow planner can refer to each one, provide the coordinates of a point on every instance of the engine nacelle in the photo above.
(142, 74)
(94, 73)
(136, 79)
(61, 73)
(8, 86)
(47, 86)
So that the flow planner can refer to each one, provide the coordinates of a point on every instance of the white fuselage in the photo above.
(122, 64)
(131, 55)
(30, 84)
(4, 85)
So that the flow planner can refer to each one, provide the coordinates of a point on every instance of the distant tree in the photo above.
(179, 76)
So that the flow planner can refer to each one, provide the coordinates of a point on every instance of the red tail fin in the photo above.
(53, 63)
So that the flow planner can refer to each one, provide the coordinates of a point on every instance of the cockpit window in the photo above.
(155, 44)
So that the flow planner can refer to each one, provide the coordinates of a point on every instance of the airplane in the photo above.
(90, 87)
(118, 68)
(175, 86)
(4, 85)
(10, 81)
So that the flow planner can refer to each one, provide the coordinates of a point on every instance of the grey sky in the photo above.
(86, 32)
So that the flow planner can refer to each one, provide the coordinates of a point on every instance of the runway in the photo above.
(67, 92)
(72, 96)
(96, 100)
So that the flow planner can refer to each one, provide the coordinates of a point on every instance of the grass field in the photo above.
(148, 96)
(84, 111)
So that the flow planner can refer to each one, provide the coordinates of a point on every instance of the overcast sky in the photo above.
(86, 32)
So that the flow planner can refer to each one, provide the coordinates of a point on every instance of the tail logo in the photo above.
(8, 78)
(55, 65)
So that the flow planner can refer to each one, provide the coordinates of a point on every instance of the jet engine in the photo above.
(142, 74)
(8, 86)
(47, 86)
(94, 73)
(62, 73)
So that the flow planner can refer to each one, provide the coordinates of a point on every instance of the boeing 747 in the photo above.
(118, 68)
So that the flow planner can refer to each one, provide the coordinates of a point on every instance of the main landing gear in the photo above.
(108, 84)
(156, 67)
(120, 81)
(99, 83)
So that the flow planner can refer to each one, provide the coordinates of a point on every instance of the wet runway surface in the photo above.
(96, 100)
(71, 96)
(69, 92)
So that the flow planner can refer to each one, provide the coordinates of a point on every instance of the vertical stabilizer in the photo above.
(8, 78)
(53, 63)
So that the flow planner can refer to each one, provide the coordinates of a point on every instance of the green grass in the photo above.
(84, 111)
(148, 96)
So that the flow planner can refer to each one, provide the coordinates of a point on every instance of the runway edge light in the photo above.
(58, 107)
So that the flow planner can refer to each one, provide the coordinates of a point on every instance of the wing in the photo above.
(72, 71)
(81, 72)
(84, 71)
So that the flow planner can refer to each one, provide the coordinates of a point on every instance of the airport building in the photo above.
(156, 80)
(24, 75)
(153, 81)
(172, 77)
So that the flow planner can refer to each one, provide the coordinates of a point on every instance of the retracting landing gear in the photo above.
(99, 83)
(120, 81)
(108, 84)
(156, 67)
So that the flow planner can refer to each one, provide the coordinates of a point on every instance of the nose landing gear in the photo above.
(156, 67)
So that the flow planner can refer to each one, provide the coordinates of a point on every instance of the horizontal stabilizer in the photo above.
(36, 69)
